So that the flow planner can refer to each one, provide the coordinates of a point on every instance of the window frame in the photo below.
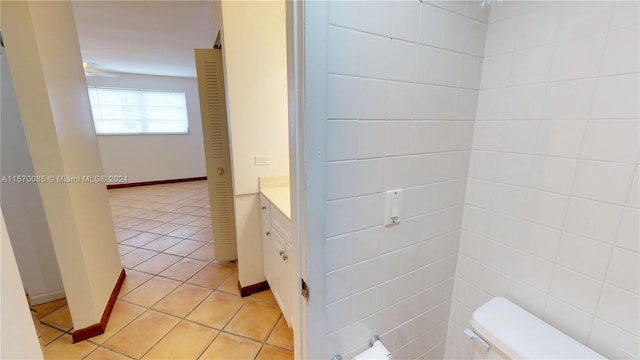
(140, 92)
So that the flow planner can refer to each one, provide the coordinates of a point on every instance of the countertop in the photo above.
(277, 192)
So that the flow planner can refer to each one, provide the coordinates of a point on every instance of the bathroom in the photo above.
(512, 129)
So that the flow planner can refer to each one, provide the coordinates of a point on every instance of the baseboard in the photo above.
(252, 289)
(48, 297)
(155, 182)
(98, 329)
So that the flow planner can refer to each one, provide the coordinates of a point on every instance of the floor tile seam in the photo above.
(265, 301)
(120, 296)
(182, 282)
(56, 327)
(50, 312)
(127, 238)
(278, 347)
(195, 307)
(160, 299)
(218, 332)
(160, 252)
(107, 349)
(69, 331)
(227, 292)
(150, 231)
(244, 302)
(121, 328)
(274, 327)
(226, 277)
(259, 351)
(161, 338)
(196, 273)
(62, 333)
(189, 223)
(243, 336)
(155, 274)
(186, 281)
(104, 343)
(261, 341)
(185, 256)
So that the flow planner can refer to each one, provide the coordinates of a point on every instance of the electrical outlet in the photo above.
(393, 207)
(262, 160)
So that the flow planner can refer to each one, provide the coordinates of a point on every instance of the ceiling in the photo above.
(143, 37)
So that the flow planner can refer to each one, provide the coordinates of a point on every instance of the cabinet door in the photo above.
(269, 257)
(265, 211)
(280, 223)
(280, 277)
(268, 248)
(291, 284)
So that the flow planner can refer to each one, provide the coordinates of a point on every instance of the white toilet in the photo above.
(503, 330)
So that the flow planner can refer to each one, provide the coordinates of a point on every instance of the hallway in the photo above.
(177, 302)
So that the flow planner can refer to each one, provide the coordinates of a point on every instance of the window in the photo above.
(132, 111)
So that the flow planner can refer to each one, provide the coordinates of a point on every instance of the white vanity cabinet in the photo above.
(279, 256)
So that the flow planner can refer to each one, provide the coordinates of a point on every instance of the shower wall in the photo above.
(551, 207)
(402, 80)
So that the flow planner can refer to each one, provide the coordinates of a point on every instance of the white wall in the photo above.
(402, 81)
(25, 217)
(46, 67)
(154, 157)
(255, 61)
(18, 338)
(551, 209)
(215, 19)
(254, 55)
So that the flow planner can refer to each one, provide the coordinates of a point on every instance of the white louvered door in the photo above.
(217, 153)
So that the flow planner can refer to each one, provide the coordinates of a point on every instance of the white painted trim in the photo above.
(313, 143)
(295, 81)
(47, 297)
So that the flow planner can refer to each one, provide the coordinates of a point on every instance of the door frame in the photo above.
(295, 81)
(307, 98)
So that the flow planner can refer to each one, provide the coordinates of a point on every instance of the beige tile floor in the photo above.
(177, 302)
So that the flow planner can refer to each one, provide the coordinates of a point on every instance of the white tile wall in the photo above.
(577, 58)
(583, 18)
(345, 43)
(376, 17)
(616, 97)
(551, 214)
(569, 99)
(430, 27)
(403, 61)
(551, 207)
(402, 96)
(611, 140)
(619, 59)
(375, 55)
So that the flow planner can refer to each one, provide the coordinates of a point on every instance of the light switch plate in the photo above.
(393, 207)
(262, 160)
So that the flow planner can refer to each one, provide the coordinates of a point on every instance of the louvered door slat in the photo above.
(217, 153)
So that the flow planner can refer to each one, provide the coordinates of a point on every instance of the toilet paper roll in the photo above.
(377, 352)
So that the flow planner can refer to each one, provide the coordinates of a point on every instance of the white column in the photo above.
(44, 59)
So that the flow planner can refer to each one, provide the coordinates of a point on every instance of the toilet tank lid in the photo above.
(521, 335)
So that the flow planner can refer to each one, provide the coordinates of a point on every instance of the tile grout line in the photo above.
(137, 203)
